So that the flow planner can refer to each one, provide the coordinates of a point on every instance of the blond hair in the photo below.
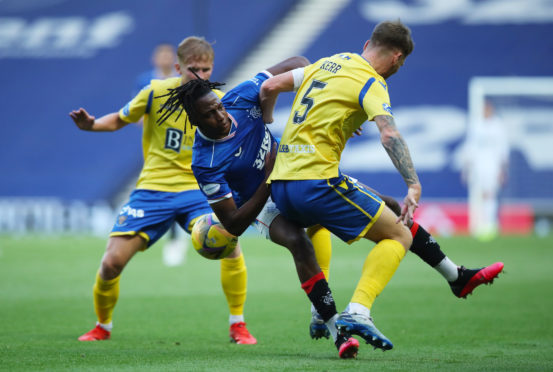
(195, 48)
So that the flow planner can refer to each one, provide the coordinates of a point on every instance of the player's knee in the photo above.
(299, 245)
(236, 253)
(110, 267)
(406, 239)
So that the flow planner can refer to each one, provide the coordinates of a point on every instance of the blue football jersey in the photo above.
(235, 165)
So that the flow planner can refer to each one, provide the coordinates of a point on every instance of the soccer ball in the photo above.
(210, 239)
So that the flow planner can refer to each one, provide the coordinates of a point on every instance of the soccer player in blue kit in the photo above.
(232, 160)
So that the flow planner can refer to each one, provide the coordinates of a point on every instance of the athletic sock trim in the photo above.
(414, 228)
(308, 285)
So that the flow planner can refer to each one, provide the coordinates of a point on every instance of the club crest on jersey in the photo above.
(255, 112)
(210, 188)
(387, 108)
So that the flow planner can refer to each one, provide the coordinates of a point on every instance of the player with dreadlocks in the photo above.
(232, 160)
(166, 192)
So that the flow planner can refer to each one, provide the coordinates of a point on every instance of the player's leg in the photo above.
(140, 223)
(461, 280)
(312, 279)
(234, 281)
(320, 238)
(234, 273)
(380, 265)
(119, 251)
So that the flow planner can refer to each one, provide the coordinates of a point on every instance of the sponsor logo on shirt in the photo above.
(210, 188)
(259, 162)
(387, 108)
(297, 149)
(173, 139)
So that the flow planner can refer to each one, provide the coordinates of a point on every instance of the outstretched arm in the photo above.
(107, 123)
(398, 152)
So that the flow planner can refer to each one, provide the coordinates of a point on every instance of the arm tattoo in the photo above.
(397, 149)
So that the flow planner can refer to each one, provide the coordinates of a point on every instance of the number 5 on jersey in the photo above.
(308, 101)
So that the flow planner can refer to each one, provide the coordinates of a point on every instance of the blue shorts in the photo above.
(341, 205)
(150, 213)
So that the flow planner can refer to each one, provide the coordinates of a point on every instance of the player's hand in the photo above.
(270, 160)
(83, 119)
(357, 132)
(410, 203)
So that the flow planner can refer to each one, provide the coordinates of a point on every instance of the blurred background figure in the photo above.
(164, 58)
(485, 169)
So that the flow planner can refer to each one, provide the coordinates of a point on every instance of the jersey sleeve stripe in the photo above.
(365, 90)
(213, 201)
(149, 104)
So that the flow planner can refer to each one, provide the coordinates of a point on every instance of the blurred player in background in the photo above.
(485, 170)
(164, 58)
(232, 159)
(166, 191)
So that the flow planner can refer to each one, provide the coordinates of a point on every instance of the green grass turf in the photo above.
(176, 319)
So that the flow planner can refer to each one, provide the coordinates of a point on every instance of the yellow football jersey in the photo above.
(166, 147)
(337, 95)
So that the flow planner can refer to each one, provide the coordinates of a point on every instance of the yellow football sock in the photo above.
(234, 279)
(105, 293)
(380, 265)
(320, 237)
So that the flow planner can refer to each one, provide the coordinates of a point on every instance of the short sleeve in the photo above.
(212, 184)
(374, 99)
(138, 106)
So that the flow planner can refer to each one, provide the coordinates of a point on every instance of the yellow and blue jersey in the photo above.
(337, 95)
(166, 147)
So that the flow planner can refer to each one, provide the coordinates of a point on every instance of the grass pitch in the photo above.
(176, 319)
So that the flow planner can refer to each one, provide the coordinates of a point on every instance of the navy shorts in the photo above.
(150, 213)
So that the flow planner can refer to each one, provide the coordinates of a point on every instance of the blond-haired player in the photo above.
(166, 191)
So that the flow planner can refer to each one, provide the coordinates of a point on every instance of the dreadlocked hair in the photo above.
(184, 97)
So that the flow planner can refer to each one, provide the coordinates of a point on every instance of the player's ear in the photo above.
(397, 57)
(366, 44)
(177, 67)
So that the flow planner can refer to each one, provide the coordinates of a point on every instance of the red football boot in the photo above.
(96, 334)
(471, 278)
(239, 334)
(347, 348)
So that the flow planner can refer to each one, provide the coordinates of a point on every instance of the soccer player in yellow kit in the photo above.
(335, 95)
(166, 191)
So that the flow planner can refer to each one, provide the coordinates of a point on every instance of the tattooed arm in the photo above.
(398, 152)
